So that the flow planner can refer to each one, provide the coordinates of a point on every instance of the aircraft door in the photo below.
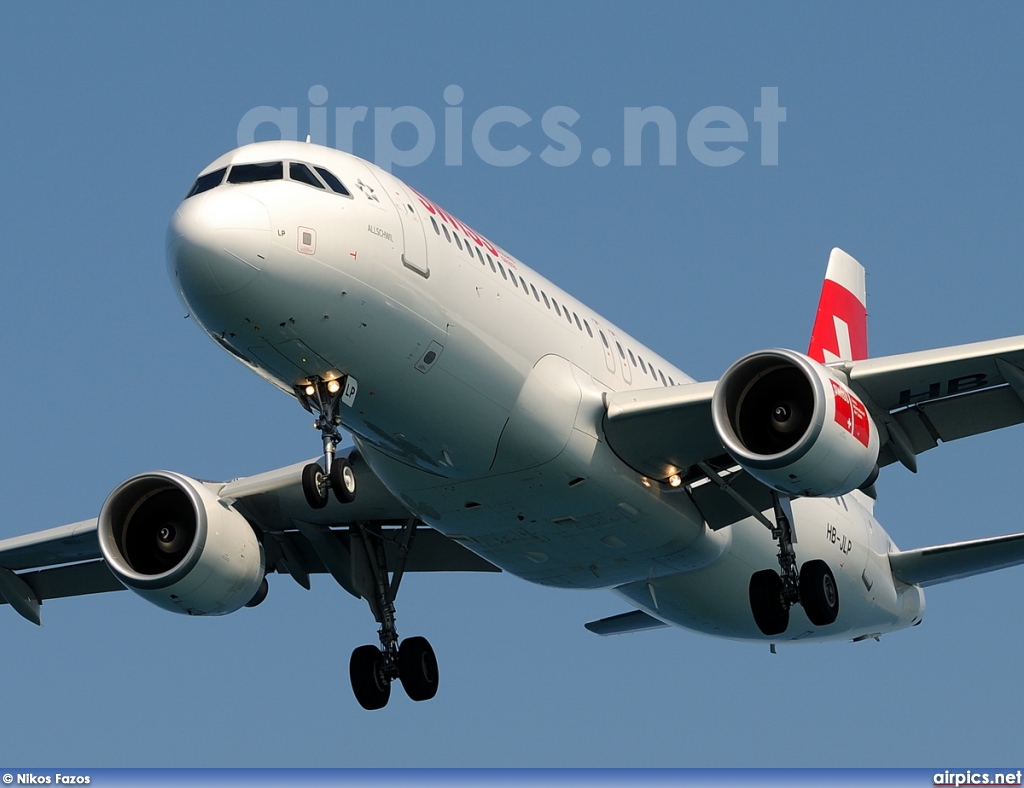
(414, 255)
(606, 347)
(620, 356)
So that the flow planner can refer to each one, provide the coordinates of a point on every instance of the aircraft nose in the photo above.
(218, 242)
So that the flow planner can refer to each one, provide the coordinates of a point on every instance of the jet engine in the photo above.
(794, 425)
(172, 541)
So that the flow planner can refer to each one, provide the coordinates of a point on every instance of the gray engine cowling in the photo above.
(168, 538)
(794, 425)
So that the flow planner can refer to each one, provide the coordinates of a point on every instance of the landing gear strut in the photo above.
(773, 593)
(372, 669)
(323, 398)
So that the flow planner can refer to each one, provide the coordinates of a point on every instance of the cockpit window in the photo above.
(301, 173)
(206, 182)
(250, 173)
(333, 182)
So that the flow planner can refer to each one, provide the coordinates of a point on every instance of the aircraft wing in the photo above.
(297, 540)
(921, 399)
(917, 400)
(665, 431)
(929, 566)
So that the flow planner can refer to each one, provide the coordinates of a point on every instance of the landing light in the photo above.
(333, 386)
(675, 480)
(310, 391)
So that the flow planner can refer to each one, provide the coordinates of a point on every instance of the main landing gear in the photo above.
(364, 569)
(323, 398)
(773, 593)
(373, 669)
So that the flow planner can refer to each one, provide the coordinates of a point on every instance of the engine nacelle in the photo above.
(172, 541)
(794, 425)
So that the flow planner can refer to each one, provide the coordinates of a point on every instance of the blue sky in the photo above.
(901, 144)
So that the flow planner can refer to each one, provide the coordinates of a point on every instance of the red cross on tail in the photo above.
(841, 326)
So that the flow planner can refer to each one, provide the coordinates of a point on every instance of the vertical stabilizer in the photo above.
(841, 326)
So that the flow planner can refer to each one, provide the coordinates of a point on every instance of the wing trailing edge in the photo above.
(624, 623)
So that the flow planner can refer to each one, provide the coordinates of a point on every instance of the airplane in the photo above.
(499, 424)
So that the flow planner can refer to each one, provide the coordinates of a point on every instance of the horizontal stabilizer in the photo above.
(929, 566)
(634, 621)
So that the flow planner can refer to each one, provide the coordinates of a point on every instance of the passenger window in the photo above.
(501, 268)
(577, 319)
(458, 241)
(301, 173)
(434, 222)
(619, 346)
(523, 283)
(632, 358)
(545, 299)
(670, 381)
(479, 256)
(557, 310)
(447, 237)
(642, 365)
(534, 291)
(604, 339)
(589, 332)
(206, 182)
(662, 376)
(332, 181)
(251, 173)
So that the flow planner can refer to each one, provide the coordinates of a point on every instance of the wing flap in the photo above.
(624, 623)
(431, 551)
(91, 577)
(939, 564)
(952, 418)
(893, 382)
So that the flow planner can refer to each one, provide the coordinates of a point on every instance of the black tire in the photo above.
(770, 613)
(343, 480)
(369, 686)
(818, 593)
(417, 668)
(313, 486)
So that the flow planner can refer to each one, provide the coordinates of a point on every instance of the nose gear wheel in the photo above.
(323, 398)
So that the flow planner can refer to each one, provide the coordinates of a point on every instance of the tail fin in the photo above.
(841, 326)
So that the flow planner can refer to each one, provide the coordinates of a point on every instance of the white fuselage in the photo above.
(480, 396)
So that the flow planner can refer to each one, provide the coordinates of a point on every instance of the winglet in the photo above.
(841, 326)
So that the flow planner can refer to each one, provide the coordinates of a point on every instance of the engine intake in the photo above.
(172, 541)
(794, 425)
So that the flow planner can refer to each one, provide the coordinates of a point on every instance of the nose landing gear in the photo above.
(323, 397)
